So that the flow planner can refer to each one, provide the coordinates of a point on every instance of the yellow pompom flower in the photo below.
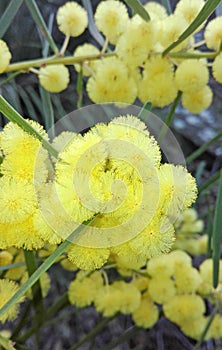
(191, 75)
(17, 200)
(179, 259)
(182, 308)
(161, 289)
(206, 274)
(188, 9)
(187, 279)
(16, 141)
(107, 300)
(155, 10)
(72, 19)
(111, 18)
(121, 87)
(146, 315)
(213, 33)
(136, 41)
(160, 266)
(170, 29)
(82, 291)
(7, 290)
(160, 90)
(54, 78)
(197, 100)
(129, 297)
(16, 273)
(217, 68)
(215, 330)
(88, 258)
(194, 328)
(68, 265)
(5, 56)
(86, 50)
(5, 258)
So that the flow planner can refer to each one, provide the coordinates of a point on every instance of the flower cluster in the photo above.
(168, 284)
(137, 68)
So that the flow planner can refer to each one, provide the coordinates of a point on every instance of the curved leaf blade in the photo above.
(139, 9)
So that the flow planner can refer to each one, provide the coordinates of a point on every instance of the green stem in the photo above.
(93, 333)
(214, 178)
(15, 117)
(203, 335)
(79, 88)
(69, 60)
(169, 117)
(36, 288)
(122, 339)
(182, 54)
(45, 266)
(203, 148)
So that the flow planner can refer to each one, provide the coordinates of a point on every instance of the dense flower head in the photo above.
(189, 9)
(54, 78)
(146, 315)
(191, 75)
(155, 10)
(197, 100)
(7, 290)
(5, 56)
(111, 18)
(213, 33)
(88, 67)
(72, 19)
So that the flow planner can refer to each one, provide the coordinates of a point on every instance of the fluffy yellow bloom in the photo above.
(155, 10)
(170, 30)
(68, 265)
(179, 259)
(215, 330)
(54, 78)
(7, 290)
(82, 291)
(72, 19)
(129, 296)
(217, 68)
(140, 282)
(161, 289)
(198, 100)
(188, 9)
(178, 189)
(187, 279)
(17, 200)
(111, 18)
(88, 258)
(195, 328)
(44, 230)
(86, 50)
(160, 90)
(191, 76)
(146, 315)
(107, 300)
(206, 274)
(136, 41)
(16, 141)
(111, 82)
(5, 56)
(156, 65)
(182, 308)
(5, 258)
(160, 266)
(213, 33)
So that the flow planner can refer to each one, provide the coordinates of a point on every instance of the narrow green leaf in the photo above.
(9, 112)
(92, 27)
(35, 98)
(167, 6)
(203, 148)
(139, 9)
(209, 182)
(205, 12)
(10, 77)
(45, 266)
(217, 234)
(28, 103)
(199, 171)
(79, 88)
(8, 16)
(37, 16)
(47, 111)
